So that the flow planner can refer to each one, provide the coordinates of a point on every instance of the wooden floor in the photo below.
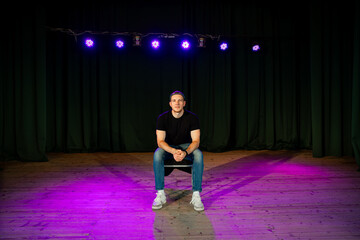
(247, 195)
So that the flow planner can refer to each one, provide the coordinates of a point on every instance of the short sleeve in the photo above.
(161, 123)
(195, 123)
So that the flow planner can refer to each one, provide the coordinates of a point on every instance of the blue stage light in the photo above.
(119, 43)
(89, 42)
(185, 44)
(223, 46)
(256, 48)
(155, 44)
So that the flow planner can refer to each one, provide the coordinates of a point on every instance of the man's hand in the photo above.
(179, 155)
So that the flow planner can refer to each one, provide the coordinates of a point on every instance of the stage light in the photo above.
(89, 42)
(185, 44)
(201, 42)
(256, 48)
(155, 44)
(119, 43)
(223, 46)
(137, 41)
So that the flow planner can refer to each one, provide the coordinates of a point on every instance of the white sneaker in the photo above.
(196, 201)
(159, 200)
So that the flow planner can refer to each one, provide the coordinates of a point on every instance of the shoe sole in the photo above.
(198, 209)
(158, 207)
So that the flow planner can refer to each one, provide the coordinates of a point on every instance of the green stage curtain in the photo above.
(356, 89)
(299, 92)
(23, 85)
(331, 41)
(103, 99)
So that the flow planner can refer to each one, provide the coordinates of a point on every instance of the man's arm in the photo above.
(179, 155)
(160, 137)
(195, 137)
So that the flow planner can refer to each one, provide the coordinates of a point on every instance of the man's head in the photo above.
(177, 101)
(177, 93)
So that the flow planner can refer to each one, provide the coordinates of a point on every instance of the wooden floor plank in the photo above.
(247, 195)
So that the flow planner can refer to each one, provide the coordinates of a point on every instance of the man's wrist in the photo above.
(186, 153)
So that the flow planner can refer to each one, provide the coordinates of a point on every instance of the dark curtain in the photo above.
(105, 99)
(332, 36)
(23, 84)
(299, 92)
(270, 90)
(355, 126)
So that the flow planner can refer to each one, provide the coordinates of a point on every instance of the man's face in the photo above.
(177, 103)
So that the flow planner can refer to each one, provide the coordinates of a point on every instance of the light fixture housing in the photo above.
(201, 42)
(137, 41)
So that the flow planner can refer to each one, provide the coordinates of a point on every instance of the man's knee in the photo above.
(159, 154)
(198, 156)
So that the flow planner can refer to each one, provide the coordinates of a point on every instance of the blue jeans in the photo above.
(197, 170)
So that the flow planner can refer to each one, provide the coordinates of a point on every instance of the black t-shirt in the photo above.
(178, 129)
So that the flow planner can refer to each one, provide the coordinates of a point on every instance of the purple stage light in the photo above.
(256, 48)
(89, 42)
(185, 44)
(155, 44)
(119, 43)
(223, 46)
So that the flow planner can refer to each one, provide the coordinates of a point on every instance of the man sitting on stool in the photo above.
(178, 136)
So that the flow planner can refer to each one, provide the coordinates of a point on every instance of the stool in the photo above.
(185, 165)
